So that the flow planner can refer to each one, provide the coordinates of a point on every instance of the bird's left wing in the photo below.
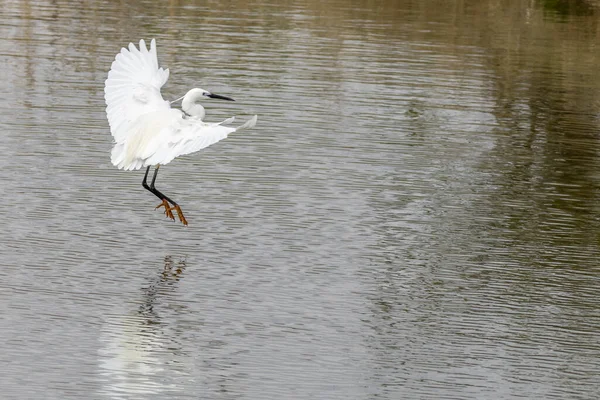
(191, 135)
(133, 88)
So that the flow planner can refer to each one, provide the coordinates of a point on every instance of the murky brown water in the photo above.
(417, 214)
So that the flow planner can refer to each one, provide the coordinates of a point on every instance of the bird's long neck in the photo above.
(192, 108)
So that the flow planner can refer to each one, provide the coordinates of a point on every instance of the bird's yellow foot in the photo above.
(168, 209)
(180, 215)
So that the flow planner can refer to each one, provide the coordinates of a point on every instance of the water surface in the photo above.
(416, 215)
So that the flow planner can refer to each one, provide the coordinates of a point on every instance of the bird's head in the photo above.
(191, 101)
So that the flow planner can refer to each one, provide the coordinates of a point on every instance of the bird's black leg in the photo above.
(165, 199)
(158, 194)
(144, 184)
(155, 190)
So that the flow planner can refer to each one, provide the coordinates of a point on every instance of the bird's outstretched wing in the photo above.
(133, 88)
(189, 136)
(158, 138)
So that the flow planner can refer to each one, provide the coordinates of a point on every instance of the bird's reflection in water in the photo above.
(134, 344)
(163, 284)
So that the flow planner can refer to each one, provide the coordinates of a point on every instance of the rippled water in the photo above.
(416, 215)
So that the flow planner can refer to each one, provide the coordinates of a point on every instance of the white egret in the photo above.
(146, 130)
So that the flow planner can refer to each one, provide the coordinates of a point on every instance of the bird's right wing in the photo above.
(133, 88)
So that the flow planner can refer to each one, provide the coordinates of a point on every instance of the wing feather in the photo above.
(157, 138)
(198, 135)
(133, 88)
(188, 136)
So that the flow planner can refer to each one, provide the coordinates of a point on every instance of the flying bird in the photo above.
(146, 130)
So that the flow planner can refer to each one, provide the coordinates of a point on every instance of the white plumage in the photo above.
(146, 130)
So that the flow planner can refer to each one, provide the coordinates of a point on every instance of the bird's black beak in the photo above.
(218, 96)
